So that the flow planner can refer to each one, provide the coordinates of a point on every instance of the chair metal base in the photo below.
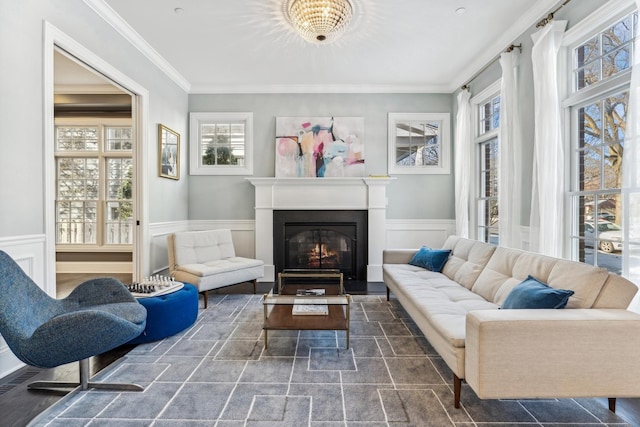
(84, 383)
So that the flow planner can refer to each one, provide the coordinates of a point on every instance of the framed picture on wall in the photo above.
(168, 153)
(319, 147)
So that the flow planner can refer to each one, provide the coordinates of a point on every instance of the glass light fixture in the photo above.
(319, 21)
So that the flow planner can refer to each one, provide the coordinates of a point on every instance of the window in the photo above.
(221, 143)
(94, 173)
(487, 149)
(598, 110)
(419, 143)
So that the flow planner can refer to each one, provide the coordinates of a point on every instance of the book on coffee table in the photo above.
(312, 292)
(305, 307)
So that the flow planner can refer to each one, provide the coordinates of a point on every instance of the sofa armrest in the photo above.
(397, 256)
(553, 353)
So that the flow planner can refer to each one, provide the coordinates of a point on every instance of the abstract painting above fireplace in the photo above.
(319, 147)
(335, 239)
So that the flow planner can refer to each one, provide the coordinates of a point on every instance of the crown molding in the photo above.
(125, 30)
(538, 10)
(316, 88)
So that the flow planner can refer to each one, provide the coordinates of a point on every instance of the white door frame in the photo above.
(53, 38)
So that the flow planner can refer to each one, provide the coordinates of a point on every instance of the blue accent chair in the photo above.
(98, 316)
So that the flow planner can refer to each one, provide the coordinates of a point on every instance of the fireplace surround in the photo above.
(335, 239)
(321, 194)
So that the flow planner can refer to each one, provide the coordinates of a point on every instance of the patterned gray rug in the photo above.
(217, 373)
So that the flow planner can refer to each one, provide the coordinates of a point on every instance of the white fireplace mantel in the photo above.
(321, 194)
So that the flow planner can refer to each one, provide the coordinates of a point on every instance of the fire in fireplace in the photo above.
(321, 248)
(322, 239)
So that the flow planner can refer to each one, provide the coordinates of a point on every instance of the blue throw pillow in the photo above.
(431, 259)
(532, 293)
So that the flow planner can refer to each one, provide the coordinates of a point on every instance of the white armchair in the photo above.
(207, 260)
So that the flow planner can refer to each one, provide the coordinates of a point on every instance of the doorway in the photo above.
(56, 40)
(94, 141)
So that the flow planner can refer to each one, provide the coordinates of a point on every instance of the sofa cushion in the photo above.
(196, 247)
(508, 267)
(443, 302)
(219, 266)
(431, 259)
(468, 258)
(497, 273)
(532, 293)
(585, 280)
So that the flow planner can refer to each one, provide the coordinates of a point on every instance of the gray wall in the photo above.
(573, 12)
(410, 196)
(203, 197)
(21, 108)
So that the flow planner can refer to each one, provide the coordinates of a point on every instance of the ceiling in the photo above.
(246, 46)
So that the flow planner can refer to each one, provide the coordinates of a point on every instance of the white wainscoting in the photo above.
(399, 234)
(158, 251)
(29, 253)
(414, 233)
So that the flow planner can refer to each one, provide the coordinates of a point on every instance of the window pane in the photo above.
(617, 35)
(615, 62)
(489, 168)
(76, 222)
(588, 75)
(119, 208)
(590, 131)
(223, 144)
(76, 178)
(488, 213)
(119, 178)
(77, 138)
(489, 115)
(591, 166)
(587, 52)
(604, 55)
(496, 113)
(118, 138)
(612, 167)
(119, 223)
(418, 143)
(615, 115)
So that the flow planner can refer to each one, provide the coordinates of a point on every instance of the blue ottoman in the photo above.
(168, 314)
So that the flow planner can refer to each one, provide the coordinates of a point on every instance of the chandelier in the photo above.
(319, 21)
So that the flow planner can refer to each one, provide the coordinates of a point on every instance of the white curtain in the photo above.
(547, 208)
(631, 179)
(462, 162)
(510, 154)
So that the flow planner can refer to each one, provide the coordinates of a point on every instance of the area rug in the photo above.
(218, 373)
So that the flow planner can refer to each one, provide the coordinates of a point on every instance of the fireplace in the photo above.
(319, 195)
(335, 239)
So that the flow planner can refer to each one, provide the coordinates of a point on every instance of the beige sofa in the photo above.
(207, 259)
(589, 349)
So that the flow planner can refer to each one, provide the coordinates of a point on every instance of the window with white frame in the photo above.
(94, 174)
(487, 126)
(600, 77)
(221, 143)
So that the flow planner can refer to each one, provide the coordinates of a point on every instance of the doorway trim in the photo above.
(54, 38)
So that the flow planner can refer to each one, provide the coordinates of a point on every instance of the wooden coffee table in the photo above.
(280, 308)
